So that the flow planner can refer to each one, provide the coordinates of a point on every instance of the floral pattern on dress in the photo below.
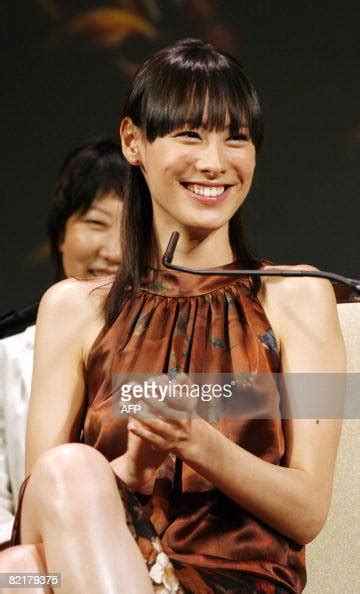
(161, 570)
(169, 577)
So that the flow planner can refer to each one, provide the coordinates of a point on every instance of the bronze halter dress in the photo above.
(196, 324)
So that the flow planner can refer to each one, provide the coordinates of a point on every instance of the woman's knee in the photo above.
(68, 479)
(69, 466)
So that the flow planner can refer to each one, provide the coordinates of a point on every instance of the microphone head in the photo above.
(169, 252)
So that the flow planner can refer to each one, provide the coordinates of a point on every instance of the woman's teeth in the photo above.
(206, 190)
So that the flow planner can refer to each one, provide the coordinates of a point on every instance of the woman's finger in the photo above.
(155, 409)
(155, 440)
(174, 393)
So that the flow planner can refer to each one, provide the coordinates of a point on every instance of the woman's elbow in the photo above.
(309, 527)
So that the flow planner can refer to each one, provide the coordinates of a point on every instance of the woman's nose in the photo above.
(110, 247)
(212, 159)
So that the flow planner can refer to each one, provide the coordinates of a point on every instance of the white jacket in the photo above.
(16, 364)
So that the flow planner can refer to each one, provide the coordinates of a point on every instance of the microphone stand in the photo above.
(18, 320)
(174, 238)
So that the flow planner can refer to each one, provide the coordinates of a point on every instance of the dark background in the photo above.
(63, 84)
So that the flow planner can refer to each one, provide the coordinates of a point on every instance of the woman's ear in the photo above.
(130, 139)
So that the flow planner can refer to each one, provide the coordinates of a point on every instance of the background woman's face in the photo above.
(91, 244)
(197, 178)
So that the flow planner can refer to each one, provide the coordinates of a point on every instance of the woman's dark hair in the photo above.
(181, 84)
(88, 172)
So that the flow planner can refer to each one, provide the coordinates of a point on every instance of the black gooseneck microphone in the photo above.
(174, 238)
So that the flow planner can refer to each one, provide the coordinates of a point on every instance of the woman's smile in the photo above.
(206, 193)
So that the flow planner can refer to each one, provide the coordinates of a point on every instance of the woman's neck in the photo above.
(199, 250)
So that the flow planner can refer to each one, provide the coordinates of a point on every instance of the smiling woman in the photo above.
(192, 121)
(197, 179)
(91, 240)
(195, 505)
(85, 211)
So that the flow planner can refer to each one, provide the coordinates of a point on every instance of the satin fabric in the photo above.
(199, 324)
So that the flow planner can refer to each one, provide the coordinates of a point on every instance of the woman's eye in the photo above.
(239, 137)
(188, 134)
(95, 222)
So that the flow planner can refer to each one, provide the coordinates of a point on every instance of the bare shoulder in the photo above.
(73, 310)
(299, 307)
(298, 292)
(77, 296)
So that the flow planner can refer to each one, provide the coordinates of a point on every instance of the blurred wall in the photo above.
(66, 70)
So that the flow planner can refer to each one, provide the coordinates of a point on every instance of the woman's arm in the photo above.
(293, 499)
(66, 316)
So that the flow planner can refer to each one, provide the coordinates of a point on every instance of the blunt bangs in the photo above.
(195, 85)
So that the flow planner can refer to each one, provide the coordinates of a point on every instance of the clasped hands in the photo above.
(166, 421)
(165, 425)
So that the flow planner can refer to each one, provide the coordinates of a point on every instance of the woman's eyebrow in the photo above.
(100, 209)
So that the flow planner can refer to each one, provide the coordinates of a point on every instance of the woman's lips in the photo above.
(97, 272)
(207, 194)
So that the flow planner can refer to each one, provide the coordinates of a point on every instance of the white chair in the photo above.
(333, 558)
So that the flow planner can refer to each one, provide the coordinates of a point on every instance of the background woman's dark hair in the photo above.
(190, 83)
(88, 172)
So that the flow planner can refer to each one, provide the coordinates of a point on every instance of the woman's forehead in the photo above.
(104, 201)
(204, 125)
(227, 123)
(208, 104)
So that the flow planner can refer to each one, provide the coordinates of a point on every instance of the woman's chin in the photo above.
(204, 225)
